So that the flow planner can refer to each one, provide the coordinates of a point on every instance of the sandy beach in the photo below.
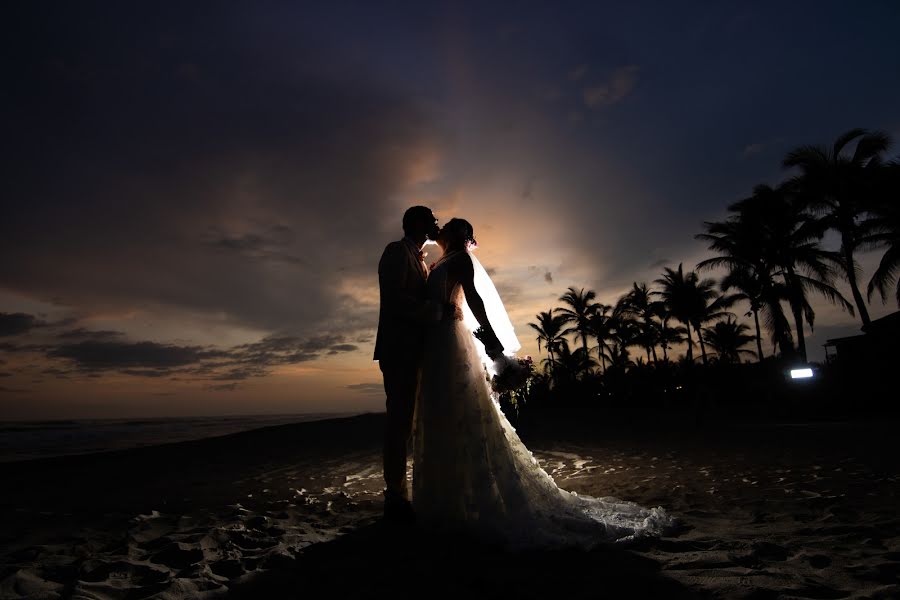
(766, 511)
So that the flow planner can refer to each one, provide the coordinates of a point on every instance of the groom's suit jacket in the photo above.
(401, 317)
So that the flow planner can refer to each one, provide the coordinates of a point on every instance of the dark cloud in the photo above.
(4, 374)
(221, 172)
(548, 277)
(164, 372)
(276, 350)
(9, 390)
(752, 149)
(100, 355)
(155, 360)
(338, 348)
(258, 246)
(224, 387)
(57, 372)
(578, 72)
(612, 90)
(64, 322)
(81, 332)
(21, 323)
(18, 323)
(241, 373)
(367, 388)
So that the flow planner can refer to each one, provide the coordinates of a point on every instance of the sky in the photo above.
(197, 194)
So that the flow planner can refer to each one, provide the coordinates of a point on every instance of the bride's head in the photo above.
(457, 234)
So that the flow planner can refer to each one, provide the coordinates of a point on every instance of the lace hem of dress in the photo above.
(473, 474)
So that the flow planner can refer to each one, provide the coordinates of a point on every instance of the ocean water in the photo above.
(22, 440)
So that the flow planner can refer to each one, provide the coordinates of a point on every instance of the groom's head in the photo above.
(420, 224)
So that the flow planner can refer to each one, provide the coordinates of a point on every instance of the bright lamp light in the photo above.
(801, 373)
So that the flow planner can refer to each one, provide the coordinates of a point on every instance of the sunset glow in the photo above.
(194, 222)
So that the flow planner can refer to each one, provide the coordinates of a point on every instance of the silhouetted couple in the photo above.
(471, 472)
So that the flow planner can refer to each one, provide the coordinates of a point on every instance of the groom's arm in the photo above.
(392, 275)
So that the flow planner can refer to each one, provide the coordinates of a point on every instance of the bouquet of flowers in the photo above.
(512, 375)
(512, 372)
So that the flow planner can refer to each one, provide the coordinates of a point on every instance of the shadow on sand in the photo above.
(381, 558)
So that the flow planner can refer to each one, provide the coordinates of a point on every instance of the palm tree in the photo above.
(677, 297)
(749, 272)
(603, 328)
(549, 328)
(789, 238)
(885, 225)
(669, 336)
(627, 329)
(648, 337)
(693, 301)
(620, 359)
(764, 295)
(709, 306)
(726, 338)
(840, 188)
(568, 363)
(581, 308)
(638, 303)
(549, 367)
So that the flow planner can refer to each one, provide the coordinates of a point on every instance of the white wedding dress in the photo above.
(472, 474)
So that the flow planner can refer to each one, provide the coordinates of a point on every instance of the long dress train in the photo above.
(472, 473)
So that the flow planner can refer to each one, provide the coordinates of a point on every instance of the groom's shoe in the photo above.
(398, 510)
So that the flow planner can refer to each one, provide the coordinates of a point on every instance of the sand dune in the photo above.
(767, 512)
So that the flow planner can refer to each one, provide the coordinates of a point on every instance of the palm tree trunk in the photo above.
(600, 354)
(702, 345)
(552, 367)
(851, 277)
(759, 354)
(584, 345)
(655, 359)
(797, 308)
(801, 342)
(690, 352)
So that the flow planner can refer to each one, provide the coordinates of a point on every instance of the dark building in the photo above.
(877, 344)
(863, 366)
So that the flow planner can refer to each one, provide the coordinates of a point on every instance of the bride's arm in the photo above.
(493, 347)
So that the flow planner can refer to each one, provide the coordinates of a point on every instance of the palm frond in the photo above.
(805, 156)
(886, 273)
(870, 146)
(846, 138)
(830, 293)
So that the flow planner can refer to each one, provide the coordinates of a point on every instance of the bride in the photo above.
(471, 473)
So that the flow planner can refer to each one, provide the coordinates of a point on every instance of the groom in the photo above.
(399, 343)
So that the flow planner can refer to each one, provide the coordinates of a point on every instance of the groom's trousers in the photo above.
(401, 385)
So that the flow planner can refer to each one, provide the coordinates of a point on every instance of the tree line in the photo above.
(770, 248)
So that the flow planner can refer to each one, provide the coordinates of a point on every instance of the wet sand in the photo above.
(766, 511)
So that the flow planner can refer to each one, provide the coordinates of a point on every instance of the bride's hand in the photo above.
(494, 352)
(493, 348)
